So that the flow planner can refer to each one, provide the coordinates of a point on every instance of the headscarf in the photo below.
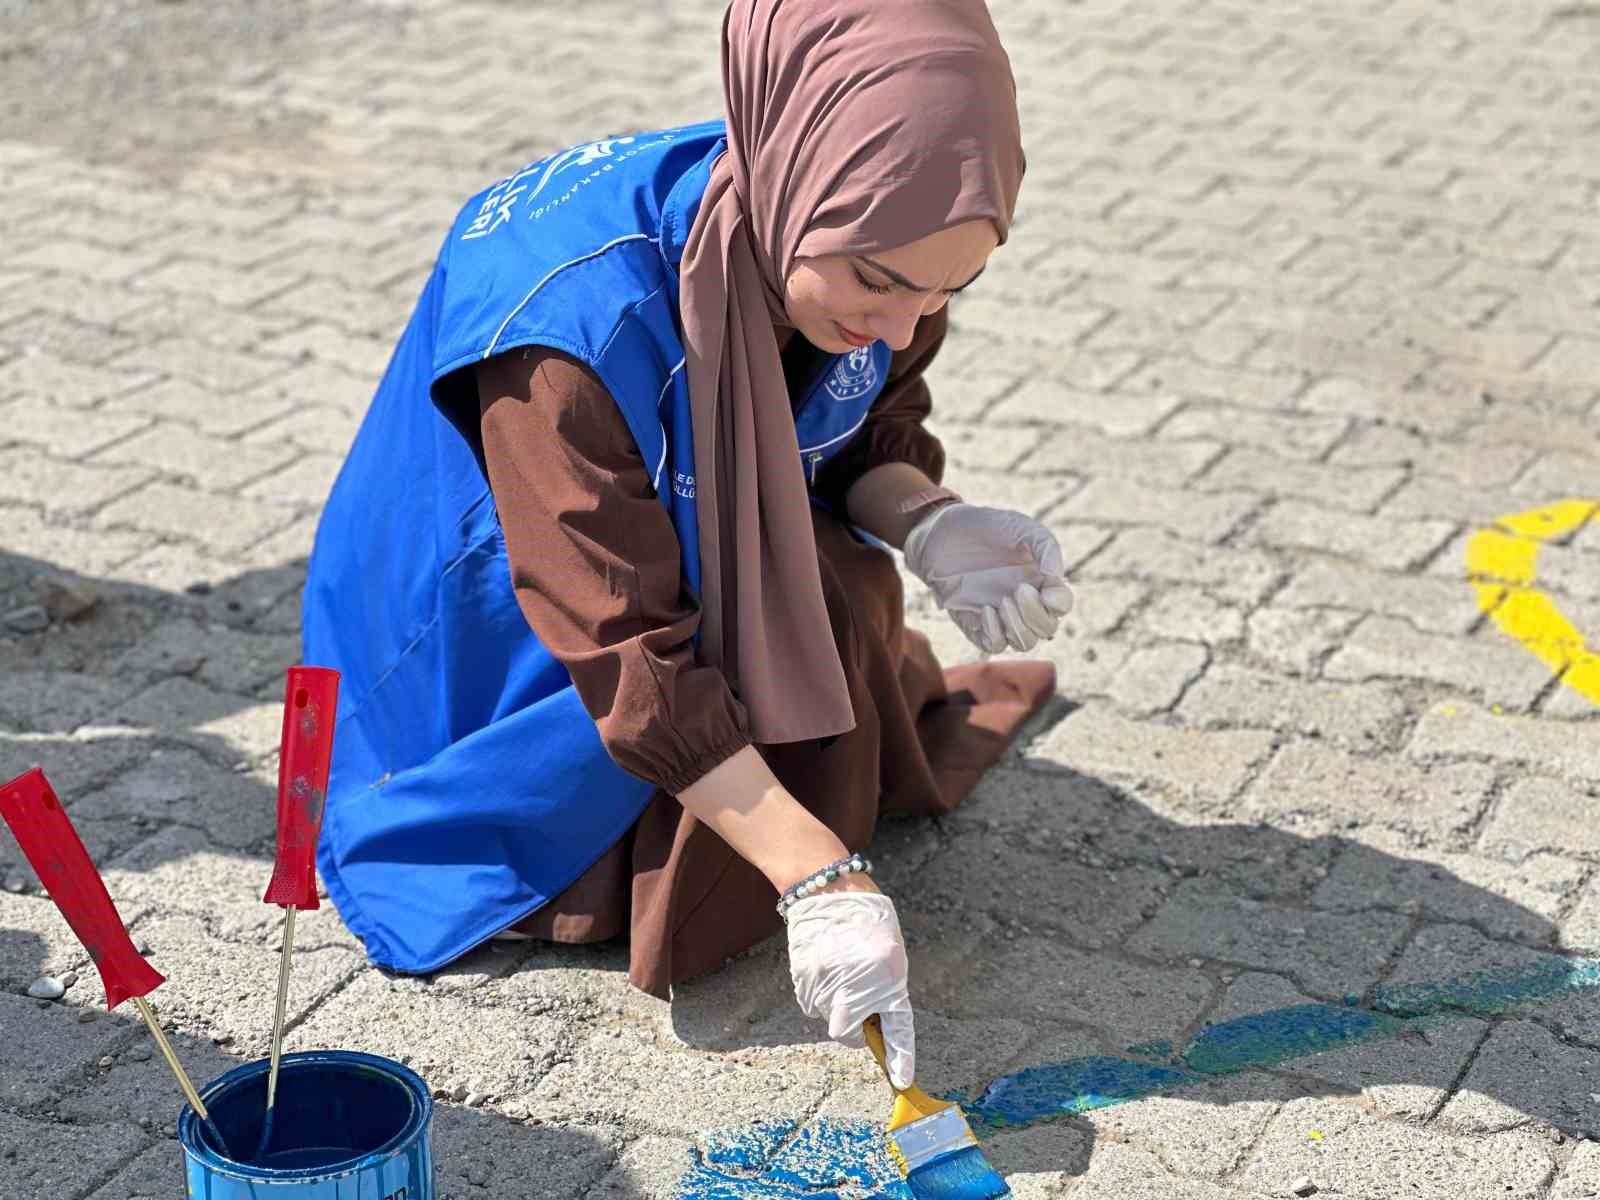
(854, 126)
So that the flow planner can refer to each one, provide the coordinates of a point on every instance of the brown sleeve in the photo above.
(595, 564)
(894, 430)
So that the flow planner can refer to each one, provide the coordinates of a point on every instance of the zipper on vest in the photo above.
(815, 459)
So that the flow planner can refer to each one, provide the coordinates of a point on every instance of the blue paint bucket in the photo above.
(346, 1126)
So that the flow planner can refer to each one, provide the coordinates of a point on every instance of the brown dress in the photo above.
(595, 563)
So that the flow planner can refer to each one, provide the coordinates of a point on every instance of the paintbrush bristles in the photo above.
(962, 1175)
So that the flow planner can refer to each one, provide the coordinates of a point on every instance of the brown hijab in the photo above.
(854, 126)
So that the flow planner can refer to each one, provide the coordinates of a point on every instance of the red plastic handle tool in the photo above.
(310, 702)
(29, 805)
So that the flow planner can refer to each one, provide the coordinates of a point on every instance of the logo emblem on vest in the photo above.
(854, 375)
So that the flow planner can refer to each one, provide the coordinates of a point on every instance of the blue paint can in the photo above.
(346, 1126)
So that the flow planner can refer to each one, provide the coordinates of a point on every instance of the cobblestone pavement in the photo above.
(1302, 300)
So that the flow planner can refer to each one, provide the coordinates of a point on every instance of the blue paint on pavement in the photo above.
(844, 1159)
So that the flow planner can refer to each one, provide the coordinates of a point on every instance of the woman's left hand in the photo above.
(998, 573)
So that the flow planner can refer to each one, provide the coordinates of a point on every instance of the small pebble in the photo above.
(460, 1093)
(107, 1062)
(69, 979)
(47, 987)
(199, 587)
(15, 883)
(475, 1099)
(1304, 1186)
(29, 619)
(86, 1015)
(140, 1053)
(1557, 1136)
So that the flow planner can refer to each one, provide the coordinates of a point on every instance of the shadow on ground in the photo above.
(1138, 949)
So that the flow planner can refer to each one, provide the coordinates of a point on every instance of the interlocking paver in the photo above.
(1299, 298)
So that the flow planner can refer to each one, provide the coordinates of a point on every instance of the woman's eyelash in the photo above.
(876, 289)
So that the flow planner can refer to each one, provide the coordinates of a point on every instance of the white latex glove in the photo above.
(999, 574)
(848, 961)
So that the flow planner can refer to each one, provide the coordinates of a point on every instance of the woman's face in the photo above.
(842, 301)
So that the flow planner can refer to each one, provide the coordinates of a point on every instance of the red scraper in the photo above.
(43, 830)
(310, 702)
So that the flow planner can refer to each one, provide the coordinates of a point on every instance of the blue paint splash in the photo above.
(845, 1160)
(827, 1160)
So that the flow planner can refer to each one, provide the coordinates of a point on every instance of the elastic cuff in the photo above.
(714, 758)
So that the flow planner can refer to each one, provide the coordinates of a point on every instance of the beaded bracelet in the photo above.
(821, 879)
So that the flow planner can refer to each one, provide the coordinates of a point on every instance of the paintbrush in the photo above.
(931, 1142)
(305, 753)
(52, 846)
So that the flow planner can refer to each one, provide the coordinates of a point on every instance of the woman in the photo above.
(613, 659)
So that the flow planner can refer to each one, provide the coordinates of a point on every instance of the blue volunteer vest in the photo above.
(469, 785)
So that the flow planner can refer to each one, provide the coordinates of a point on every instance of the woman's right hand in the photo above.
(847, 959)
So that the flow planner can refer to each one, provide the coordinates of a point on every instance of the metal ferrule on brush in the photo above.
(920, 1142)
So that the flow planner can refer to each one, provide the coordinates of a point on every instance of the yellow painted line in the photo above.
(1502, 567)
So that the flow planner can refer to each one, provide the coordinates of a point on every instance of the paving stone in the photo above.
(1119, 1172)
(1118, 500)
(1284, 434)
(1381, 541)
(304, 482)
(1227, 697)
(1456, 967)
(974, 975)
(195, 404)
(1523, 1075)
(1323, 789)
(59, 701)
(224, 524)
(1043, 1161)
(1203, 1131)
(49, 1049)
(1191, 763)
(1296, 641)
(1580, 1178)
(1580, 929)
(58, 1160)
(59, 381)
(1382, 648)
(93, 553)
(649, 1168)
(1355, 490)
(222, 726)
(228, 660)
(1153, 678)
(1542, 814)
(1242, 576)
(1041, 891)
(40, 424)
(139, 1085)
(76, 763)
(1479, 464)
(444, 1039)
(1520, 902)
(35, 940)
(475, 1149)
(1087, 453)
(179, 870)
(1357, 1155)
(1098, 607)
(1433, 411)
(1432, 605)
(609, 1071)
(1452, 728)
(159, 1171)
(1186, 614)
(1116, 414)
(990, 448)
(1407, 1075)
(63, 488)
(210, 463)
(1328, 955)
